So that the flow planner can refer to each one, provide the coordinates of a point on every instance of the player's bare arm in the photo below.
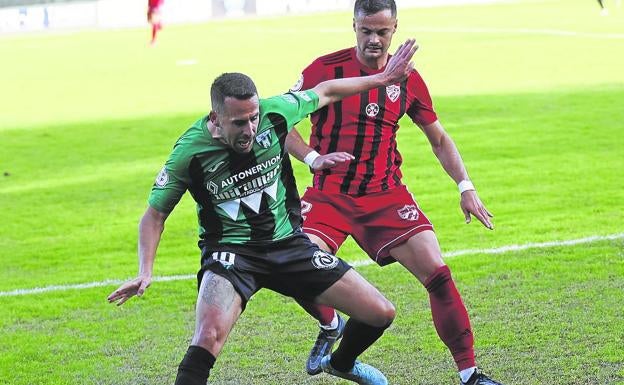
(445, 150)
(398, 68)
(297, 147)
(150, 229)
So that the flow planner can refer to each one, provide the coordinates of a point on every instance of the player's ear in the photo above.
(354, 25)
(213, 117)
(396, 23)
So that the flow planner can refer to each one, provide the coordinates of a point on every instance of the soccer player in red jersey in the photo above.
(362, 194)
(154, 17)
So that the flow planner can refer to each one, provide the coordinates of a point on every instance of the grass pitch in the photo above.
(531, 92)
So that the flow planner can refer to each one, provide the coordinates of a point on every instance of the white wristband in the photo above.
(465, 185)
(311, 157)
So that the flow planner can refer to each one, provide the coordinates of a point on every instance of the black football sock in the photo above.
(195, 366)
(357, 337)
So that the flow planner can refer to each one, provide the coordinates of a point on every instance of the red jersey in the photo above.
(364, 125)
(154, 3)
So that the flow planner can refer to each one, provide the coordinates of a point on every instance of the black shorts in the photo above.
(294, 267)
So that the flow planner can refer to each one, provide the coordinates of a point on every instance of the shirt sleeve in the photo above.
(294, 106)
(170, 184)
(420, 109)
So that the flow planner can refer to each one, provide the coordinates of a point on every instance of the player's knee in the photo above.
(438, 279)
(389, 313)
(208, 337)
(384, 314)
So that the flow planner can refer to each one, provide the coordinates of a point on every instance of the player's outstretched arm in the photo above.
(150, 229)
(297, 147)
(397, 69)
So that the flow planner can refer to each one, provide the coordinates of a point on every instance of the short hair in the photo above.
(371, 7)
(231, 84)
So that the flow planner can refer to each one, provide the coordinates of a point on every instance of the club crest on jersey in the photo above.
(264, 139)
(297, 86)
(162, 178)
(324, 261)
(372, 110)
(393, 91)
(408, 212)
(225, 258)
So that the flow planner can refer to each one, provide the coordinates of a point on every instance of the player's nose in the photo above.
(249, 129)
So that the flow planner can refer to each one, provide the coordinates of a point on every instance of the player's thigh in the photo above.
(153, 15)
(319, 242)
(218, 307)
(356, 297)
(385, 220)
(420, 254)
(326, 218)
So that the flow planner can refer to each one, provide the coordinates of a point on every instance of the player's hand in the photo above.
(331, 160)
(129, 289)
(399, 66)
(472, 205)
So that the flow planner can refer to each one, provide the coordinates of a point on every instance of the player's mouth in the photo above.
(244, 144)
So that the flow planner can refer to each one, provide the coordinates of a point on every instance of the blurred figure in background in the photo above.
(153, 17)
(603, 10)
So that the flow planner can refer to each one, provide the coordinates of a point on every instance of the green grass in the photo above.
(88, 118)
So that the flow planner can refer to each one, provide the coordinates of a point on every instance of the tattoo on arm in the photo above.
(217, 291)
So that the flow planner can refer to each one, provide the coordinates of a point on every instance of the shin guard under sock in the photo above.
(195, 366)
(450, 317)
(357, 337)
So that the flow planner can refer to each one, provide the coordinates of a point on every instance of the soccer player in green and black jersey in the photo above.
(235, 165)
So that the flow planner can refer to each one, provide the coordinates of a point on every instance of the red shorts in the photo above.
(377, 222)
(151, 11)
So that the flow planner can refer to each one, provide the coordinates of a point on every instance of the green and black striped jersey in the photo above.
(248, 199)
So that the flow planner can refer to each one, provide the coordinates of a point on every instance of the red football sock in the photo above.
(324, 314)
(155, 29)
(450, 317)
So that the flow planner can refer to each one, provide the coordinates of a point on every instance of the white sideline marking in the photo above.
(526, 246)
(186, 62)
(496, 250)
